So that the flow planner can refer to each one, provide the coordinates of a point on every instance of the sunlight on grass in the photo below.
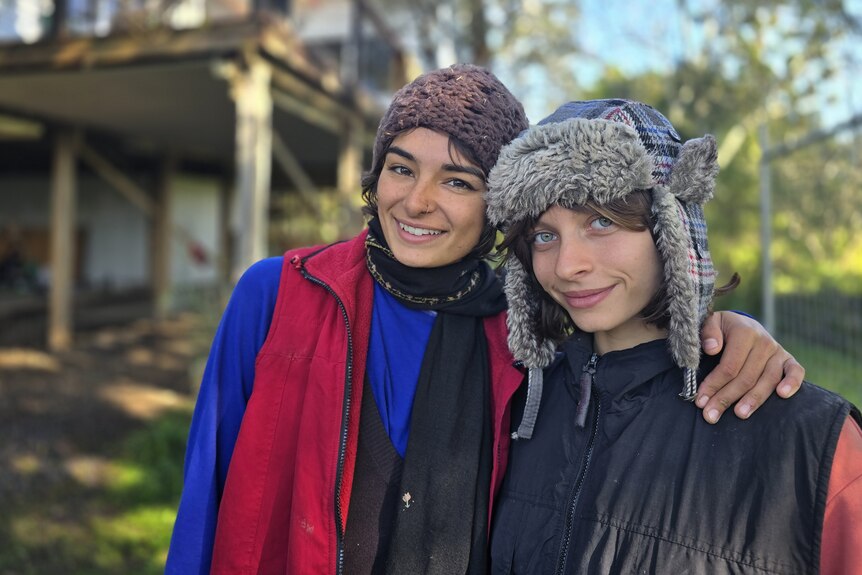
(828, 368)
(30, 359)
(113, 516)
(144, 401)
(26, 464)
(138, 537)
(91, 471)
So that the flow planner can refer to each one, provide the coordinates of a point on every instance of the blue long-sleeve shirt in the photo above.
(225, 388)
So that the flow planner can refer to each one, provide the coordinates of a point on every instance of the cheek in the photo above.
(543, 269)
(471, 218)
(651, 269)
(386, 192)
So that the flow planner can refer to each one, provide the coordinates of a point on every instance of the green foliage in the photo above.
(120, 527)
(829, 368)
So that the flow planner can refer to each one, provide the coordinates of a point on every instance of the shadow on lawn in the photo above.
(92, 449)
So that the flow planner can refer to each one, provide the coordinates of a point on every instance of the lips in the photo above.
(582, 299)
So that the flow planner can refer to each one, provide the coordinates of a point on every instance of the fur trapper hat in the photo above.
(602, 150)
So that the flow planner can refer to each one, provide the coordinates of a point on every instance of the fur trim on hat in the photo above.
(566, 164)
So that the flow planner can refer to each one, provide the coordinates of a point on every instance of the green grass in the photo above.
(122, 527)
(828, 368)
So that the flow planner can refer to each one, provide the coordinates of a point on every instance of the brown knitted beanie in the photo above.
(464, 101)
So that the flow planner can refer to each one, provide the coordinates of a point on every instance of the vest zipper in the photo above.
(345, 418)
(589, 369)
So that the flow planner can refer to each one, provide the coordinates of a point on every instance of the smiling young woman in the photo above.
(430, 200)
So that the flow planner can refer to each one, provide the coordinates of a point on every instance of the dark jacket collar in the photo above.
(624, 376)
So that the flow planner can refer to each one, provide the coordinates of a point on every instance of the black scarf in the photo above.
(441, 526)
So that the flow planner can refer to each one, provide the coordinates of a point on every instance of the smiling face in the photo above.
(430, 200)
(602, 274)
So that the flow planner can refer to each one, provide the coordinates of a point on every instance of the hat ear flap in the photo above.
(524, 318)
(695, 170)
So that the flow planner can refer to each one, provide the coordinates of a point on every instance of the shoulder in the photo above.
(262, 274)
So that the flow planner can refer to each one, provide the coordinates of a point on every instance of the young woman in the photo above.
(353, 416)
(603, 211)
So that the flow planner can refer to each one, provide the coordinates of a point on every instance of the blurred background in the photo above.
(150, 150)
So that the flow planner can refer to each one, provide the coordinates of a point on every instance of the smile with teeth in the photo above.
(419, 231)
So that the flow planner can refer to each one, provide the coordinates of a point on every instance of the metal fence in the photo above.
(817, 180)
(824, 330)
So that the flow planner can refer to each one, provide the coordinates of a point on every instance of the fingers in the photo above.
(752, 383)
(794, 373)
(710, 335)
(741, 340)
(750, 369)
(781, 367)
(780, 373)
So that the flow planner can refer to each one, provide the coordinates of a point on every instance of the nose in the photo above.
(574, 259)
(421, 199)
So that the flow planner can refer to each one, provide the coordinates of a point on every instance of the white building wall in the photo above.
(196, 209)
(116, 249)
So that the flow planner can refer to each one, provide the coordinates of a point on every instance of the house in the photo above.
(145, 145)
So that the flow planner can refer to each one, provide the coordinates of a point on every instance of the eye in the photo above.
(602, 223)
(400, 170)
(542, 238)
(461, 184)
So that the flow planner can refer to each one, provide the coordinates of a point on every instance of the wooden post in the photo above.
(63, 217)
(251, 93)
(161, 233)
(226, 242)
(350, 156)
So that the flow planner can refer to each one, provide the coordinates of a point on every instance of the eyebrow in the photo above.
(446, 167)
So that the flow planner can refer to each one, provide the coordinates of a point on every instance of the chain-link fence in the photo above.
(816, 249)
(824, 330)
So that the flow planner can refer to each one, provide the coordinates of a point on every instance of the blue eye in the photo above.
(602, 223)
(542, 238)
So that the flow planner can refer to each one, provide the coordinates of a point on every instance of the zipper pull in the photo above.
(586, 385)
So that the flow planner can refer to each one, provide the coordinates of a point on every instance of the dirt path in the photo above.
(62, 416)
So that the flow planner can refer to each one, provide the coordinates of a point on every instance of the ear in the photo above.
(695, 170)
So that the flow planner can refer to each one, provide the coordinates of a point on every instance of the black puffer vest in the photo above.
(647, 486)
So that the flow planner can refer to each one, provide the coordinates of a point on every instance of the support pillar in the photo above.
(251, 93)
(161, 233)
(227, 189)
(63, 244)
(350, 157)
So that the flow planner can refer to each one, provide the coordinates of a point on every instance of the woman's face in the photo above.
(430, 200)
(604, 275)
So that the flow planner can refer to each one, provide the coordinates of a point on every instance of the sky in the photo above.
(640, 36)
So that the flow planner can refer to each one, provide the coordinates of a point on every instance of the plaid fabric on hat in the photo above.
(700, 262)
(654, 130)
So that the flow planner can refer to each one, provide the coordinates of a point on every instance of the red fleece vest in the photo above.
(289, 483)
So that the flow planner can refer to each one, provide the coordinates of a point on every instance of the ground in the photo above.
(91, 447)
